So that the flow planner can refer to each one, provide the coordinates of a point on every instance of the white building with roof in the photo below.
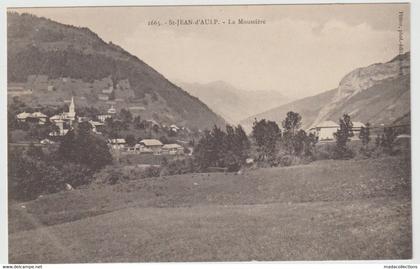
(174, 128)
(325, 130)
(96, 126)
(23, 116)
(103, 117)
(37, 116)
(112, 110)
(150, 145)
(117, 143)
(172, 149)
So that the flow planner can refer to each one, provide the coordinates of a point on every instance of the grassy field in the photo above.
(321, 211)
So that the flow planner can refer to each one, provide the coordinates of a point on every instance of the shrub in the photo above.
(178, 167)
(30, 175)
(152, 171)
(286, 160)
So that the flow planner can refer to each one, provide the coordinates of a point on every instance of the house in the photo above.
(112, 110)
(174, 128)
(172, 149)
(103, 97)
(22, 117)
(325, 130)
(102, 118)
(36, 116)
(117, 143)
(82, 119)
(46, 141)
(151, 145)
(62, 130)
(96, 126)
(108, 91)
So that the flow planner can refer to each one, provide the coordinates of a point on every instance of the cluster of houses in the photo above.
(65, 120)
(146, 146)
(38, 117)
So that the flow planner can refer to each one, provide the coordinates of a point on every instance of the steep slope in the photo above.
(39, 46)
(308, 108)
(232, 103)
(378, 94)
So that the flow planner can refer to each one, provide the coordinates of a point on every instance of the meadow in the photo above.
(325, 210)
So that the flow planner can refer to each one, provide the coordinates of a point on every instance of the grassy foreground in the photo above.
(324, 210)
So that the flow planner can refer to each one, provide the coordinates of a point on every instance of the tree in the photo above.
(364, 136)
(236, 145)
(126, 116)
(310, 143)
(293, 137)
(131, 140)
(266, 134)
(222, 149)
(113, 127)
(292, 123)
(81, 146)
(388, 140)
(203, 151)
(137, 123)
(342, 136)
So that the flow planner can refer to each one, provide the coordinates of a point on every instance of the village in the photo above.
(293, 145)
(63, 122)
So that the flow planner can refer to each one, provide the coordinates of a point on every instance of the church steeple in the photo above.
(71, 107)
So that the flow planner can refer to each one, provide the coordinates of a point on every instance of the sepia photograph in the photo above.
(209, 133)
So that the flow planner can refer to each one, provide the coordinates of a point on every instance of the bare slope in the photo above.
(38, 46)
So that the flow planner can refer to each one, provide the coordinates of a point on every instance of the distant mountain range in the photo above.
(231, 103)
(63, 60)
(378, 94)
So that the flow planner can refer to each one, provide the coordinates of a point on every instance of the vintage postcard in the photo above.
(209, 133)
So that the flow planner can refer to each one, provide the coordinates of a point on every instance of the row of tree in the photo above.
(384, 141)
(291, 140)
(232, 147)
(219, 148)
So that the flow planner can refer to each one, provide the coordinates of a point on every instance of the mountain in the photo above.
(57, 61)
(307, 107)
(379, 94)
(231, 103)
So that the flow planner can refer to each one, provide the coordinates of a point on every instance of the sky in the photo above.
(301, 50)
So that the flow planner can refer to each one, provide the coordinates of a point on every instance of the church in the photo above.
(64, 121)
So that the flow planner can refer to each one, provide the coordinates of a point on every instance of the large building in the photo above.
(64, 121)
(325, 130)
(150, 145)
